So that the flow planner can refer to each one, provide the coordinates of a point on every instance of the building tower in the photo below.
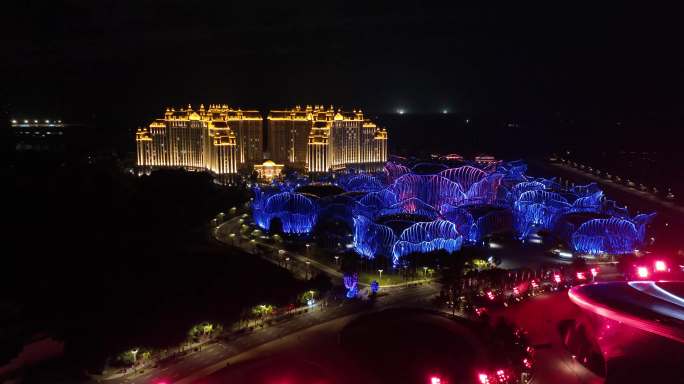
(217, 138)
(318, 149)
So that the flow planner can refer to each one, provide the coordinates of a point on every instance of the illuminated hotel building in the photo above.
(288, 133)
(322, 139)
(218, 139)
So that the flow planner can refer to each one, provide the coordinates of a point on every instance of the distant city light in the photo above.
(581, 276)
(400, 111)
(14, 121)
(484, 378)
(557, 278)
(660, 266)
(435, 380)
(444, 111)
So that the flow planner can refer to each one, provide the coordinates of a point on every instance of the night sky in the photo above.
(119, 63)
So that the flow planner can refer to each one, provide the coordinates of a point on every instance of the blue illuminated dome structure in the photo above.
(613, 235)
(296, 212)
(431, 206)
(580, 216)
(426, 237)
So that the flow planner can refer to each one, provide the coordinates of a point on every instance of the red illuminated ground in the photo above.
(654, 307)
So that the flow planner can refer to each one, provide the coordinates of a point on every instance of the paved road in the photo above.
(624, 188)
(215, 356)
(222, 234)
(540, 317)
(644, 305)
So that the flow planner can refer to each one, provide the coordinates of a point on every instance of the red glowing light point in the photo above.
(660, 266)
(527, 363)
(557, 278)
(484, 378)
(594, 272)
(642, 272)
(581, 276)
(435, 380)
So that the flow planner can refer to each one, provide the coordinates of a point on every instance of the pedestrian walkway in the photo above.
(220, 234)
(611, 184)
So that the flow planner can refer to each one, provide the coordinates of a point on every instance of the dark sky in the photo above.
(130, 59)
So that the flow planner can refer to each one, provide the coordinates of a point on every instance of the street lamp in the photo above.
(336, 259)
(425, 271)
(380, 278)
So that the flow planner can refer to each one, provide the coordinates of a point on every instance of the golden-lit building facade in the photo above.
(221, 149)
(288, 132)
(248, 127)
(318, 150)
(321, 139)
(217, 138)
(268, 170)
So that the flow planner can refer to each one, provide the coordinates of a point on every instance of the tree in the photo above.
(276, 226)
(579, 264)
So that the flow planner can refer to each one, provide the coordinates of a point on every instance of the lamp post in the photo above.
(337, 258)
(380, 278)
(425, 271)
